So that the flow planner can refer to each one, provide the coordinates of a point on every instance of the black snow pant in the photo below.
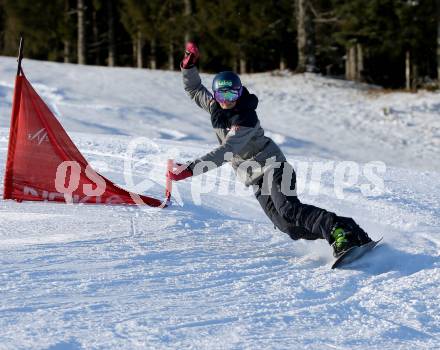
(288, 214)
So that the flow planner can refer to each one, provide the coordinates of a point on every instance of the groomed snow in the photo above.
(216, 275)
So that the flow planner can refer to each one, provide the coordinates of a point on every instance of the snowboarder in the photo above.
(235, 121)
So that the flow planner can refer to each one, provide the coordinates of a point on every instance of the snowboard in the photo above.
(354, 253)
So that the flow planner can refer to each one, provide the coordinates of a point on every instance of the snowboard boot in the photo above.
(349, 225)
(343, 240)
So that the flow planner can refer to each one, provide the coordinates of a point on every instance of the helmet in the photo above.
(227, 81)
(227, 87)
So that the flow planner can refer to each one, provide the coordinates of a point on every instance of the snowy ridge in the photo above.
(217, 275)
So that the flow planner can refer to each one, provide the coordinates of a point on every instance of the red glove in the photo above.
(181, 172)
(191, 55)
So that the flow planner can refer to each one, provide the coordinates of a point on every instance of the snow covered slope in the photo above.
(307, 115)
(216, 275)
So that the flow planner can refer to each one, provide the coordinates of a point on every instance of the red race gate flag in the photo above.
(43, 163)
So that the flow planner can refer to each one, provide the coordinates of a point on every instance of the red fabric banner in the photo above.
(44, 164)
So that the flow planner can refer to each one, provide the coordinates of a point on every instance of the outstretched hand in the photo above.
(191, 55)
(180, 172)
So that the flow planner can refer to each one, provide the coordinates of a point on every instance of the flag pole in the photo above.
(8, 177)
(169, 182)
(20, 54)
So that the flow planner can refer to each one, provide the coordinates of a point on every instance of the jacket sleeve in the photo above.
(234, 142)
(195, 89)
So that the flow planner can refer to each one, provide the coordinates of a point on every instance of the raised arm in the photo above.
(191, 78)
(195, 89)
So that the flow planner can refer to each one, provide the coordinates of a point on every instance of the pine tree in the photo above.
(394, 43)
(143, 21)
(39, 21)
(391, 32)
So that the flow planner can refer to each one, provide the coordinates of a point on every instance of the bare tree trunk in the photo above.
(139, 49)
(153, 54)
(408, 70)
(66, 51)
(95, 36)
(282, 63)
(111, 34)
(311, 42)
(354, 63)
(243, 67)
(171, 55)
(134, 48)
(438, 39)
(347, 64)
(301, 35)
(188, 12)
(350, 64)
(66, 41)
(81, 33)
(415, 76)
(359, 62)
(305, 37)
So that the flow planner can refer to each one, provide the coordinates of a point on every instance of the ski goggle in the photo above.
(228, 95)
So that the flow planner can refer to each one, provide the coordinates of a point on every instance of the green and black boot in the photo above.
(343, 240)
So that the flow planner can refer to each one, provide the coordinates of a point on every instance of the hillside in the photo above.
(210, 271)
